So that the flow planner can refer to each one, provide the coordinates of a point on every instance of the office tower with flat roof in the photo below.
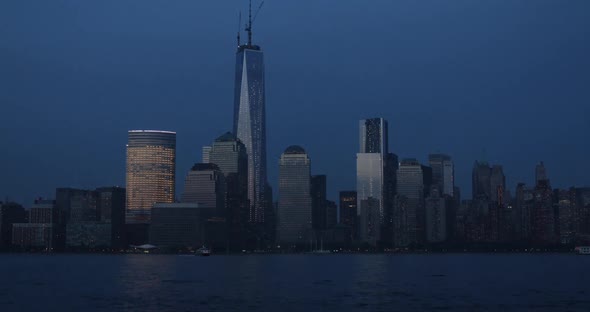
(443, 173)
(294, 227)
(250, 120)
(205, 185)
(151, 172)
(370, 177)
(205, 154)
(410, 193)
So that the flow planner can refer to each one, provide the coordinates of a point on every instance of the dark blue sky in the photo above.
(458, 76)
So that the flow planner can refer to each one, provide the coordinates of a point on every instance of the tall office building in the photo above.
(151, 172)
(250, 120)
(370, 164)
(443, 173)
(205, 185)
(540, 173)
(294, 210)
(410, 205)
(229, 154)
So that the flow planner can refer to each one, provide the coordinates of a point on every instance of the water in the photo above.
(453, 282)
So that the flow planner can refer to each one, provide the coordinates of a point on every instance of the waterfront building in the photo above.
(295, 203)
(151, 172)
(250, 121)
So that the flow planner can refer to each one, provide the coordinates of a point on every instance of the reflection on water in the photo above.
(294, 282)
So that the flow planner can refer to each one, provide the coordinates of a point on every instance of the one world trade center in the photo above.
(250, 120)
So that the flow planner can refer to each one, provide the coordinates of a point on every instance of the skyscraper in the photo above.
(443, 173)
(497, 184)
(294, 210)
(373, 148)
(250, 120)
(151, 172)
(229, 154)
(410, 206)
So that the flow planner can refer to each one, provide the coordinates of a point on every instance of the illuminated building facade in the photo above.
(151, 172)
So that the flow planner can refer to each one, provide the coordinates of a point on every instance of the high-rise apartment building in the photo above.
(294, 210)
(151, 172)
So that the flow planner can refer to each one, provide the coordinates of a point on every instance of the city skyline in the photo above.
(500, 139)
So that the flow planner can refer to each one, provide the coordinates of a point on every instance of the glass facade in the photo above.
(294, 210)
(250, 123)
(151, 172)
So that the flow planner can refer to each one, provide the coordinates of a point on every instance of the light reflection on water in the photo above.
(457, 282)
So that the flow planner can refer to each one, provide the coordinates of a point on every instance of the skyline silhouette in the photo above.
(457, 78)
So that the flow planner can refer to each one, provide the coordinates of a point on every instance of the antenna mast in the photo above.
(239, 25)
(250, 20)
(249, 28)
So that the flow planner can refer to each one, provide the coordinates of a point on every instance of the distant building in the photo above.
(348, 211)
(319, 206)
(32, 235)
(568, 215)
(443, 173)
(540, 173)
(436, 228)
(151, 172)
(543, 216)
(370, 177)
(331, 214)
(229, 154)
(88, 235)
(481, 181)
(205, 185)
(206, 155)
(410, 191)
(497, 184)
(180, 225)
(10, 213)
(112, 211)
(294, 210)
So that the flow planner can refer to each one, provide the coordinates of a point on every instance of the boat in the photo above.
(583, 250)
(204, 251)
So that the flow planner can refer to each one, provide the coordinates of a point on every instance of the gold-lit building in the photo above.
(151, 172)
